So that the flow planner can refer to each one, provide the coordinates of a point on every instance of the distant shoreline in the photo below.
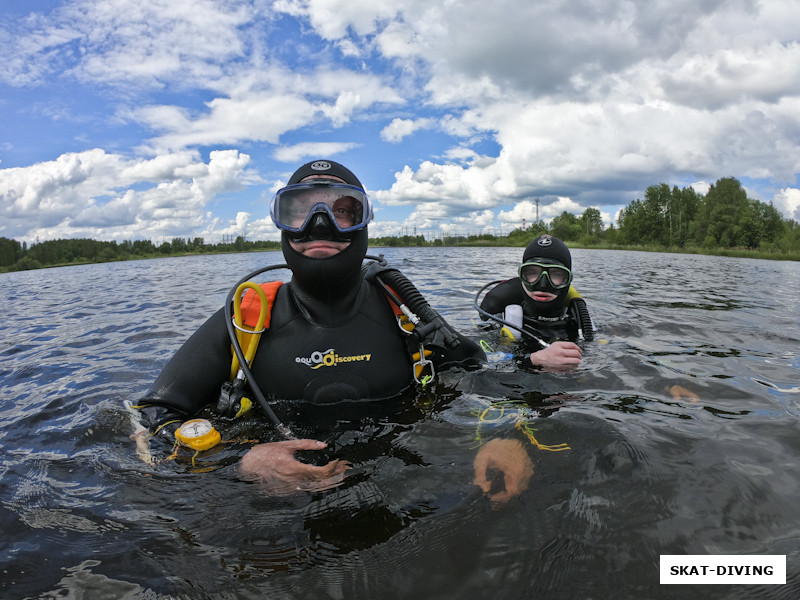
(730, 252)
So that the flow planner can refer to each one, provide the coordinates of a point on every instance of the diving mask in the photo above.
(530, 273)
(295, 206)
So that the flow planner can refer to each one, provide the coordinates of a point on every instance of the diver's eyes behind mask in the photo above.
(294, 206)
(531, 272)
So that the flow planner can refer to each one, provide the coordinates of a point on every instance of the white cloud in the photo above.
(400, 128)
(380, 228)
(345, 105)
(527, 211)
(788, 202)
(476, 219)
(123, 41)
(444, 185)
(309, 150)
(578, 105)
(397, 40)
(582, 108)
(262, 118)
(264, 109)
(105, 196)
(332, 18)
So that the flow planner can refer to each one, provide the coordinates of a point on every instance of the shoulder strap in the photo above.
(251, 310)
(251, 303)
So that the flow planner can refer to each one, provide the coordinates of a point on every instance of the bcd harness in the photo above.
(252, 306)
(576, 309)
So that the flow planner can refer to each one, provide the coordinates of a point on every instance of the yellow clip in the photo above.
(245, 405)
(405, 323)
(507, 333)
(423, 368)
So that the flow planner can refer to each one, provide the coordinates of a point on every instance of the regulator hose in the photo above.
(584, 320)
(497, 319)
(237, 349)
(430, 320)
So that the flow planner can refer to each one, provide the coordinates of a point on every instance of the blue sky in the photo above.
(122, 119)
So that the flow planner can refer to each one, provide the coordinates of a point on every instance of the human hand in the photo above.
(679, 392)
(558, 355)
(274, 465)
(510, 458)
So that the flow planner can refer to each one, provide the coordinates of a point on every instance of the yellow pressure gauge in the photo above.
(198, 434)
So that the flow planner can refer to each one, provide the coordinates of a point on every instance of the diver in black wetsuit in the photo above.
(551, 308)
(333, 335)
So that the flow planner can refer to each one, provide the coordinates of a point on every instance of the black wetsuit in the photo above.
(345, 348)
(560, 324)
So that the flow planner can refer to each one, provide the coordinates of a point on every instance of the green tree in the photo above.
(143, 247)
(178, 245)
(720, 212)
(591, 222)
(26, 263)
(566, 227)
(681, 211)
(10, 252)
(772, 223)
(656, 202)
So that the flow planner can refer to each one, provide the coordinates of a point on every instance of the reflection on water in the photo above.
(644, 475)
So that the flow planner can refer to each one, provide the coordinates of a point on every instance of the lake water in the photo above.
(82, 517)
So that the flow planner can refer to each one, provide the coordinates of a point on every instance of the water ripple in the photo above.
(646, 473)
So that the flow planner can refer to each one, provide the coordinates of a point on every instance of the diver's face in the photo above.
(324, 248)
(540, 296)
(544, 281)
(319, 248)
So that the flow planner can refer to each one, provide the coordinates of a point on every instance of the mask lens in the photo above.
(531, 273)
(558, 276)
(347, 206)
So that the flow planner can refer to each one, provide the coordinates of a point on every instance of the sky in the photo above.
(126, 120)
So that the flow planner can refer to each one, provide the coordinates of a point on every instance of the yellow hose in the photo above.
(248, 341)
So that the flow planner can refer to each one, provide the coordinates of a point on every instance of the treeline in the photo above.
(723, 219)
(18, 257)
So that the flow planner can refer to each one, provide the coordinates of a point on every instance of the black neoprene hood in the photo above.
(334, 277)
(546, 246)
(325, 167)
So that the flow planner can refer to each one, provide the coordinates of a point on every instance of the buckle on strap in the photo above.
(423, 368)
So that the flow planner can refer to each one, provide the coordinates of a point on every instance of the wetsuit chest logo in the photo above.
(330, 358)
